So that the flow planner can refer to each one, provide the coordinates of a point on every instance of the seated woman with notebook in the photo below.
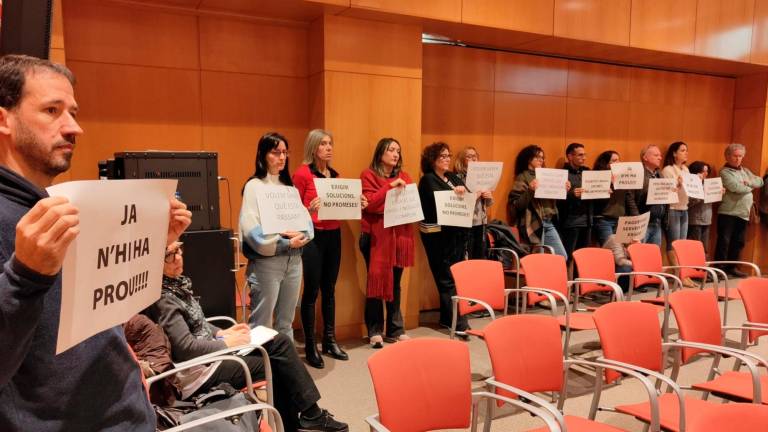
(179, 313)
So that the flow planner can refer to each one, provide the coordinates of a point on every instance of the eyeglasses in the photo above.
(278, 153)
(539, 157)
(445, 156)
(170, 256)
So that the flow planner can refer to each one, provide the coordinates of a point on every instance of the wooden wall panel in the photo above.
(664, 25)
(724, 28)
(520, 120)
(598, 81)
(751, 91)
(534, 16)
(707, 130)
(759, 52)
(709, 91)
(601, 124)
(654, 86)
(377, 48)
(444, 10)
(594, 20)
(465, 69)
(114, 34)
(520, 73)
(133, 108)
(651, 123)
(458, 117)
(255, 48)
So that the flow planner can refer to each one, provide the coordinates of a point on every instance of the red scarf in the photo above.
(390, 247)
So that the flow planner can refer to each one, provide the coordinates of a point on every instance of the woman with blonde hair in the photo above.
(476, 245)
(322, 256)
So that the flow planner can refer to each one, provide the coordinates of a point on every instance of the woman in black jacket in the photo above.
(444, 245)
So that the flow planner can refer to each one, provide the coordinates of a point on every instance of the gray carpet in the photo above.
(348, 393)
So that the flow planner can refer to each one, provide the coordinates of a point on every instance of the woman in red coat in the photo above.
(386, 250)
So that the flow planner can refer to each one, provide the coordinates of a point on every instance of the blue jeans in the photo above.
(653, 235)
(274, 284)
(604, 227)
(550, 237)
(677, 226)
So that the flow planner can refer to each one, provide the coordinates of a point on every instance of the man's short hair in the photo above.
(645, 149)
(572, 147)
(13, 73)
(730, 148)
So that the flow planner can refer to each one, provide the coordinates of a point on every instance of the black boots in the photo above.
(311, 353)
(331, 348)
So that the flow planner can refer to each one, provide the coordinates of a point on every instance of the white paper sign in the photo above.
(455, 210)
(259, 336)
(662, 191)
(551, 183)
(402, 206)
(596, 184)
(713, 190)
(339, 198)
(632, 228)
(693, 186)
(281, 209)
(629, 175)
(483, 176)
(114, 268)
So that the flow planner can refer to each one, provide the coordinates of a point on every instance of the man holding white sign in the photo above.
(575, 214)
(651, 157)
(96, 384)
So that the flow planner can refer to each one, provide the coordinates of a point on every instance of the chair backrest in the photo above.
(545, 271)
(646, 257)
(754, 295)
(479, 279)
(690, 252)
(423, 384)
(698, 318)
(630, 332)
(526, 352)
(595, 263)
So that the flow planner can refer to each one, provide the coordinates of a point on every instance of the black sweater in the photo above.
(94, 385)
(428, 184)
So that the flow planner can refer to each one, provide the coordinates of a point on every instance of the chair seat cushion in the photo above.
(669, 409)
(735, 384)
(579, 321)
(576, 424)
(733, 293)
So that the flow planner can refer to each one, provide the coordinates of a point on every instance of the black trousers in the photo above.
(730, 238)
(374, 310)
(476, 248)
(321, 259)
(444, 249)
(294, 389)
(700, 233)
(574, 238)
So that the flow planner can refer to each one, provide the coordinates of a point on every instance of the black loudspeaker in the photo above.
(197, 173)
(26, 27)
(209, 260)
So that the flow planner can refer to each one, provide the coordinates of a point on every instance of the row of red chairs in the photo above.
(528, 355)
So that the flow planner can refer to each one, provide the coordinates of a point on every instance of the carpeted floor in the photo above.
(348, 393)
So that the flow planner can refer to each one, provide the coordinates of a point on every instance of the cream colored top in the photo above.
(673, 172)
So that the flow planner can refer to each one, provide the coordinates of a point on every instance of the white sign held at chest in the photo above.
(595, 184)
(632, 228)
(114, 268)
(713, 190)
(483, 176)
(693, 186)
(662, 191)
(281, 209)
(455, 210)
(551, 183)
(402, 206)
(628, 175)
(339, 198)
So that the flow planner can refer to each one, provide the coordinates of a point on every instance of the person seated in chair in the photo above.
(180, 315)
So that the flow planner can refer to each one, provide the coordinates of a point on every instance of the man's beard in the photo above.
(37, 156)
